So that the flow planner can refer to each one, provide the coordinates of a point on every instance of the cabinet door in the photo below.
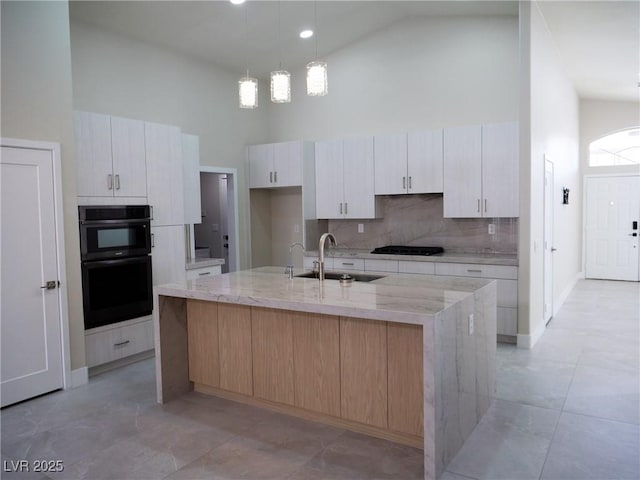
(390, 164)
(329, 182)
(234, 331)
(129, 162)
(164, 174)
(168, 254)
(358, 176)
(500, 158)
(191, 178)
(425, 161)
(272, 349)
(287, 164)
(405, 378)
(316, 353)
(202, 331)
(260, 166)
(462, 172)
(363, 371)
(93, 154)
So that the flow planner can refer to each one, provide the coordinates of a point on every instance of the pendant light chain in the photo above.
(247, 86)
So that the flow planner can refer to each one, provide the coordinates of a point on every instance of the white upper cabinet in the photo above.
(164, 172)
(129, 164)
(345, 178)
(390, 164)
(463, 172)
(275, 165)
(425, 161)
(481, 171)
(191, 178)
(110, 156)
(500, 167)
(409, 163)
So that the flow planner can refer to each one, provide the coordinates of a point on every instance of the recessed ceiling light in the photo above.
(306, 33)
(237, 2)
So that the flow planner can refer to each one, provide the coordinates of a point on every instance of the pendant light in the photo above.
(280, 79)
(317, 83)
(247, 86)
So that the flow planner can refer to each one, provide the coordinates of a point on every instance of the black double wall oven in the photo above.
(115, 245)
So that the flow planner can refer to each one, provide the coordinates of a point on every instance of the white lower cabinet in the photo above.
(418, 268)
(195, 273)
(373, 265)
(168, 254)
(113, 342)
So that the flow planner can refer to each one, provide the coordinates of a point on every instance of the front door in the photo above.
(612, 213)
(30, 326)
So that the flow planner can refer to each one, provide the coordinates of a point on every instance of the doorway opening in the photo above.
(217, 234)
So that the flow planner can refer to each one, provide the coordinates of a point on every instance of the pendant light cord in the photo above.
(246, 40)
(315, 26)
(279, 38)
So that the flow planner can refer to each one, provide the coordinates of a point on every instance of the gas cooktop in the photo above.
(404, 250)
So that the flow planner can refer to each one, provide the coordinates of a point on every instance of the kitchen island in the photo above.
(409, 358)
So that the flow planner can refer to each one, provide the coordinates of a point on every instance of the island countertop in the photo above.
(396, 298)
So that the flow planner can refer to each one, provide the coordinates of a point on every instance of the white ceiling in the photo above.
(598, 41)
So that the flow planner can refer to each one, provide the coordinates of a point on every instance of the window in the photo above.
(620, 148)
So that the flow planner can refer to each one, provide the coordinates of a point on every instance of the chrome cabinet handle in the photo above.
(404, 182)
(153, 240)
(346, 208)
(110, 182)
(485, 205)
(347, 263)
(117, 181)
(151, 208)
(478, 205)
(205, 273)
(474, 271)
(340, 208)
(270, 177)
(120, 344)
(409, 182)
(275, 177)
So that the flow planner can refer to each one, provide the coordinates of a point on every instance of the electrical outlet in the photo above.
(492, 229)
(361, 228)
(471, 324)
(296, 228)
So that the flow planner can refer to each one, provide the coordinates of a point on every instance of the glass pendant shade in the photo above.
(280, 86)
(317, 84)
(248, 90)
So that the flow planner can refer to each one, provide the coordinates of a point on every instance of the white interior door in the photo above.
(30, 315)
(611, 208)
(548, 240)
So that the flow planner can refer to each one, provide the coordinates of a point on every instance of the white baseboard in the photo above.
(566, 292)
(79, 377)
(528, 341)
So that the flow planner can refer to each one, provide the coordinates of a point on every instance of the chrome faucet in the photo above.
(288, 270)
(323, 239)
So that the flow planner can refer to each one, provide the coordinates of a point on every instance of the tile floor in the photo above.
(567, 409)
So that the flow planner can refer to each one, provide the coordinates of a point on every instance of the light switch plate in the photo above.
(361, 228)
(492, 229)
(471, 324)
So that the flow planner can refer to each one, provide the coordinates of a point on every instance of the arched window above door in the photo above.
(617, 149)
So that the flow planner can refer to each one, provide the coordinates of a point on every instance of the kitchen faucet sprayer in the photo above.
(323, 239)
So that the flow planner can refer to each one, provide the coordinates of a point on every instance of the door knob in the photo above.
(51, 284)
(553, 249)
(633, 234)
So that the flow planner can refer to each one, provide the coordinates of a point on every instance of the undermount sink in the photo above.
(357, 277)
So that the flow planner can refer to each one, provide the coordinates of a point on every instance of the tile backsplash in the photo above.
(418, 220)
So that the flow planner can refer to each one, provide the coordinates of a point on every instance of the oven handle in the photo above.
(116, 261)
(139, 221)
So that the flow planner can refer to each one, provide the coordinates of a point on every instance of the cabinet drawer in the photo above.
(196, 273)
(507, 321)
(119, 342)
(418, 268)
(473, 270)
(347, 264)
(372, 265)
(508, 293)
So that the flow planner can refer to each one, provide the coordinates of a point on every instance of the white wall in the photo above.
(420, 73)
(599, 118)
(116, 75)
(36, 105)
(553, 114)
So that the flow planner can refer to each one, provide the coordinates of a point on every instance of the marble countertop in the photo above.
(200, 262)
(396, 298)
(446, 257)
